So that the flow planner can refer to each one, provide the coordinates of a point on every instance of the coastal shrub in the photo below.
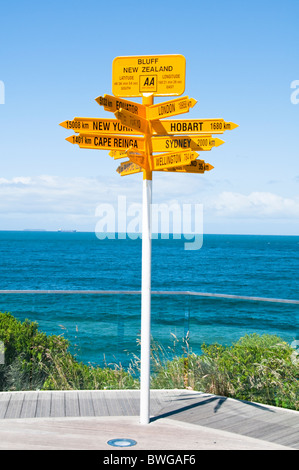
(256, 368)
(26, 352)
(34, 360)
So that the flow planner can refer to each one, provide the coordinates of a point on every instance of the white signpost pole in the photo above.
(146, 285)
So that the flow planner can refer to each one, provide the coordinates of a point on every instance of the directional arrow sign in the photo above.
(128, 168)
(113, 104)
(107, 126)
(170, 108)
(161, 75)
(201, 142)
(196, 166)
(106, 142)
(129, 119)
(117, 154)
(170, 160)
(139, 159)
(192, 126)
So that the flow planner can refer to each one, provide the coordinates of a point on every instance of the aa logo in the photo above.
(147, 83)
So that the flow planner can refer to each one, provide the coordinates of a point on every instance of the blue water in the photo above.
(107, 327)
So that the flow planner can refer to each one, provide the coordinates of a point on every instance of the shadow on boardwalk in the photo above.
(180, 407)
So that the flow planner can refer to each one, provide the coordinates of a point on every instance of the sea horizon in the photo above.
(261, 266)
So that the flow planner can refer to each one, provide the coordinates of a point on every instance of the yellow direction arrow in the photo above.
(106, 142)
(113, 104)
(197, 166)
(128, 168)
(161, 75)
(130, 119)
(170, 108)
(107, 126)
(201, 142)
(192, 126)
(117, 154)
(138, 158)
(170, 160)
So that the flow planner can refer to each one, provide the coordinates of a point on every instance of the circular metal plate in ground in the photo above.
(122, 442)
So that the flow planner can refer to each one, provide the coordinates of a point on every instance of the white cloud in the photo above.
(49, 202)
(48, 193)
(254, 205)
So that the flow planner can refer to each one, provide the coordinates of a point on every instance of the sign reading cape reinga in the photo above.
(140, 132)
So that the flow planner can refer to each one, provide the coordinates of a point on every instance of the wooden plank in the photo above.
(4, 402)
(124, 402)
(57, 404)
(86, 403)
(15, 404)
(99, 403)
(247, 419)
(113, 405)
(133, 402)
(29, 405)
(72, 404)
(43, 408)
(276, 433)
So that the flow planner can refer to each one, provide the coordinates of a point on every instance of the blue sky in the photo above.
(241, 59)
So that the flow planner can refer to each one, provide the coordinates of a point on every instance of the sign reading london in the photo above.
(160, 75)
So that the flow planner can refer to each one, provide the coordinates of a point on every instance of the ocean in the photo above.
(105, 328)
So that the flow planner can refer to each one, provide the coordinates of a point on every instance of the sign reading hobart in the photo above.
(161, 75)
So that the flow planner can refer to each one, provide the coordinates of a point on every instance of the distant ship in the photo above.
(60, 230)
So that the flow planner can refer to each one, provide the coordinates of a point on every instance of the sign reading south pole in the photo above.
(160, 75)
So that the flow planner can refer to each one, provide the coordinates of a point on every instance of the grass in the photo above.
(259, 368)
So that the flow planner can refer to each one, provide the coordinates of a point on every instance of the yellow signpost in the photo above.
(127, 118)
(148, 76)
(106, 141)
(88, 125)
(170, 108)
(171, 160)
(196, 166)
(117, 154)
(138, 158)
(200, 142)
(128, 168)
(161, 75)
(192, 126)
(111, 103)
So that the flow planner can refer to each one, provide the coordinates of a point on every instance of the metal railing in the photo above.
(103, 327)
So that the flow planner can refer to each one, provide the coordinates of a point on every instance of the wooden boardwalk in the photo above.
(270, 424)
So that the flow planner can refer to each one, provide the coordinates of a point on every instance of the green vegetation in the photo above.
(256, 368)
(260, 368)
(35, 361)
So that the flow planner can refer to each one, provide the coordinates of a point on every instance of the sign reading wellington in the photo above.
(161, 75)
(146, 136)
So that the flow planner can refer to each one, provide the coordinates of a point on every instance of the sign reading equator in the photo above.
(161, 75)
(110, 103)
